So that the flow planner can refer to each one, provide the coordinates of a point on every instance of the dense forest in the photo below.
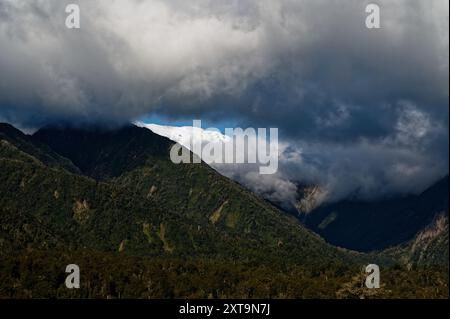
(139, 226)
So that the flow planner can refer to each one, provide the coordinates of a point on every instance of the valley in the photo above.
(138, 225)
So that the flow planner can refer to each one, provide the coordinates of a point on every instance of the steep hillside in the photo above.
(429, 248)
(104, 153)
(140, 226)
(131, 198)
(35, 149)
(377, 225)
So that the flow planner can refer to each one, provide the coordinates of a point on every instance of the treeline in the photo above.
(41, 274)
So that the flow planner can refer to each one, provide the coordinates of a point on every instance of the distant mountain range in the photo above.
(113, 196)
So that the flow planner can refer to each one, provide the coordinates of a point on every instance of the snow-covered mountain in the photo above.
(184, 134)
(276, 188)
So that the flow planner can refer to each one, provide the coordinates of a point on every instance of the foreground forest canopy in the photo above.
(140, 226)
(38, 274)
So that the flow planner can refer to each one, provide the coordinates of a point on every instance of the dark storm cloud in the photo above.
(328, 71)
(372, 102)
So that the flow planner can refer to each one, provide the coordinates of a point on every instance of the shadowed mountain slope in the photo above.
(377, 225)
(130, 198)
(139, 226)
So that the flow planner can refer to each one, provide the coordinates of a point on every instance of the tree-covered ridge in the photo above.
(158, 208)
(429, 248)
(125, 202)
(35, 149)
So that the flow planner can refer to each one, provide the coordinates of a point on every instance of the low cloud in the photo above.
(367, 109)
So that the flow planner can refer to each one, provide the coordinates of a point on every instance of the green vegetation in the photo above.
(140, 226)
(428, 249)
(379, 224)
(40, 274)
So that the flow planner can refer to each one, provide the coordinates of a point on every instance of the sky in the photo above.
(366, 109)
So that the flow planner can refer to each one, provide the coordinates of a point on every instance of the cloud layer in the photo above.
(367, 109)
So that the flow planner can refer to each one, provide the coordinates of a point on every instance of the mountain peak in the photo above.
(9, 130)
(101, 152)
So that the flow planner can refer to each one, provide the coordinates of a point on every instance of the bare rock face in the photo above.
(430, 242)
(310, 197)
(81, 211)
